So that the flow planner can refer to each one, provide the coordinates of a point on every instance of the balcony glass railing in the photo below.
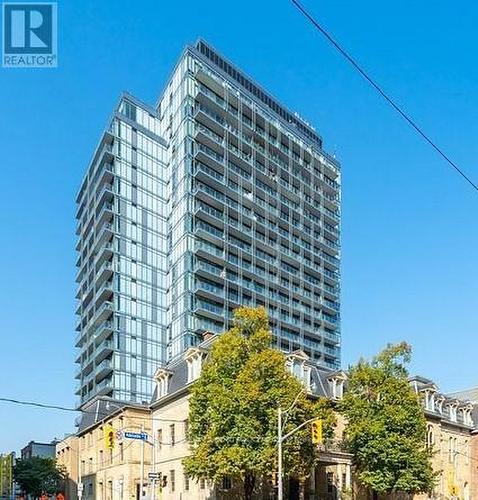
(105, 307)
(207, 247)
(272, 210)
(273, 157)
(209, 287)
(208, 306)
(266, 117)
(217, 271)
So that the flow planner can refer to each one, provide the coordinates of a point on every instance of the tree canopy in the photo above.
(38, 475)
(386, 426)
(234, 406)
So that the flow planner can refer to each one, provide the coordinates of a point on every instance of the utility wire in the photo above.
(379, 89)
(101, 414)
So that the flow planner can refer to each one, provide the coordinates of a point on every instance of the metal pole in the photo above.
(79, 485)
(279, 461)
(141, 488)
(153, 493)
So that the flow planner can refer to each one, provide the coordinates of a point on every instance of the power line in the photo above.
(39, 405)
(101, 414)
(385, 96)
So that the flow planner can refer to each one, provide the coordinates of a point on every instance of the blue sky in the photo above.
(409, 223)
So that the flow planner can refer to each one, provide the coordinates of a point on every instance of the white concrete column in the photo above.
(313, 493)
(348, 476)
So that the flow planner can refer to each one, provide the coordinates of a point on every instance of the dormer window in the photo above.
(466, 415)
(337, 388)
(296, 364)
(429, 401)
(162, 382)
(453, 412)
(469, 417)
(194, 360)
(439, 404)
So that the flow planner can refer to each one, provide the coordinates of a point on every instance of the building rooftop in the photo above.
(233, 73)
(467, 395)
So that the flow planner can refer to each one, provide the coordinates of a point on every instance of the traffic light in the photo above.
(164, 481)
(272, 480)
(275, 479)
(109, 435)
(316, 429)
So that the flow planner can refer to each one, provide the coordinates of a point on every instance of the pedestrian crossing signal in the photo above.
(316, 429)
(109, 435)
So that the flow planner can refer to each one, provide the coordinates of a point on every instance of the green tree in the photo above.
(386, 426)
(233, 409)
(38, 475)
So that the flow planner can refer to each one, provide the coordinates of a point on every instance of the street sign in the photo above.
(154, 476)
(136, 435)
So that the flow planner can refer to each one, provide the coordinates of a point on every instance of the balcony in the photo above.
(104, 213)
(104, 254)
(86, 369)
(332, 337)
(82, 335)
(210, 98)
(209, 271)
(104, 195)
(104, 312)
(209, 157)
(209, 215)
(106, 164)
(105, 234)
(208, 290)
(105, 271)
(209, 310)
(79, 325)
(104, 387)
(211, 252)
(104, 350)
(210, 119)
(209, 138)
(104, 293)
(103, 331)
(202, 325)
(209, 175)
(209, 233)
(103, 369)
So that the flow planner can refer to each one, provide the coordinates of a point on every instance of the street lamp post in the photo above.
(279, 460)
(281, 438)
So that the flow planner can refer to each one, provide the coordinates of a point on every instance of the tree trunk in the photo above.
(249, 483)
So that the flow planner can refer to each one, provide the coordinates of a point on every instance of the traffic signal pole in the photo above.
(279, 460)
(141, 489)
(281, 438)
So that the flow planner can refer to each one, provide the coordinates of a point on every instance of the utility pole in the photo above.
(80, 484)
(141, 489)
(153, 441)
(281, 438)
(279, 461)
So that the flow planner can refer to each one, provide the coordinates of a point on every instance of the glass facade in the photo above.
(216, 198)
(122, 220)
